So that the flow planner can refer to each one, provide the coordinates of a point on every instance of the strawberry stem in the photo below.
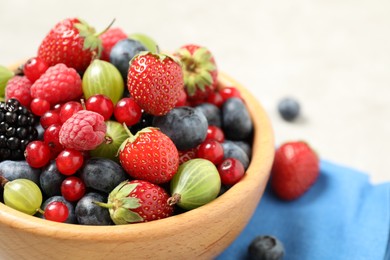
(106, 29)
(103, 205)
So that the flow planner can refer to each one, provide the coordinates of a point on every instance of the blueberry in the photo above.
(102, 174)
(289, 109)
(12, 170)
(186, 126)
(72, 216)
(122, 52)
(211, 112)
(236, 121)
(245, 146)
(265, 248)
(232, 150)
(89, 213)
(51, 179)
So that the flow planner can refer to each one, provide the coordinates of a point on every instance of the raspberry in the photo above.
(109, 39)
(58, 84)
(18, 88)
(83, 131)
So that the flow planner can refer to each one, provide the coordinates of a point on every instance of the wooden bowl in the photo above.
(202, 233)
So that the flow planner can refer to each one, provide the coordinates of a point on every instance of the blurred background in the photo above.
(331, 56)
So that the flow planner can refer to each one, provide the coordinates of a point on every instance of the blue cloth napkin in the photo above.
(343, 216)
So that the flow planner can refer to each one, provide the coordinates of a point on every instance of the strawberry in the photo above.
(155, 81)
(149, 155)
(200, 71)
(295, 170)
(137, 201)
(72, 42)
(109, 39)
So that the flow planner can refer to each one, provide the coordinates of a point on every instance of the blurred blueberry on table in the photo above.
(265, 248)
(289, 108)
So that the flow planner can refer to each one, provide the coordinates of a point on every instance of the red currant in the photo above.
(231, 171)
(182, 99)
(68, 109)
(51, 138)
(127, 111)
(39, 106)
(57, 108)
(215, 98)
(34, 68)
(229, 92)
(215, 133)
(56, 211)
(73, 188)
(100, 104)
(68, 161)
(37, 154)
(49, 118)
(211, 150)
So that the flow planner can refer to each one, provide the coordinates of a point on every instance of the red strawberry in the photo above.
(155, 82)
(72, 42)
(58, 84)
(149, 155)
(137, 201)
(18, 87)
(295, 170)
(200, 71)
(109, 39)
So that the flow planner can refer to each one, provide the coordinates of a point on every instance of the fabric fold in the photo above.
(343, 216)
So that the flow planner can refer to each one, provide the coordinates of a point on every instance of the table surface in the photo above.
(332, 56)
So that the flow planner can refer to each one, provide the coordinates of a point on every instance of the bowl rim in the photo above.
(263, 156)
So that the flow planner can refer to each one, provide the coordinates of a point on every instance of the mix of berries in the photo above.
(102, 129)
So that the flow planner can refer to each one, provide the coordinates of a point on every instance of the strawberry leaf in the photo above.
(125, 190)
(91, 41)
(123, 216)
(130, 203)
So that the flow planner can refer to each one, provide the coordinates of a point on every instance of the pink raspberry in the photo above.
(57, 85)
(109, 39)
(18, 87)
(83, 131)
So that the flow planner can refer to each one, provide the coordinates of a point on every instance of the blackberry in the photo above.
(16, 129)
